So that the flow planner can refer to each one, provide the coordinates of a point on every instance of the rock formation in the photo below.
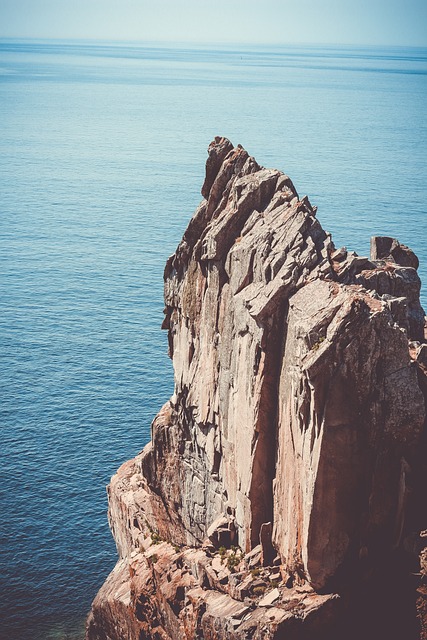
(286, 472)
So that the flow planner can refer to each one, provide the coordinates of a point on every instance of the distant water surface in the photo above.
(102, 153)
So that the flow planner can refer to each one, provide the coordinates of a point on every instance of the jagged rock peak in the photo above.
(287, 463)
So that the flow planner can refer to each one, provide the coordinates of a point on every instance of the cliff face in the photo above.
(296, 422)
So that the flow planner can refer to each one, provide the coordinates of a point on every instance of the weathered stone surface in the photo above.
(161, 594)
(270, 598)
(299, 401)
(341, 390)
(422, 590)
(390, 249)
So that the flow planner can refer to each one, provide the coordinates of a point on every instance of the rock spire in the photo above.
(286, 468)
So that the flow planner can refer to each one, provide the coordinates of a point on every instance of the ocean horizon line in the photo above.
(195, 44)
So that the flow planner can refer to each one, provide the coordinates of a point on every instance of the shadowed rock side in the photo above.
(287, 471)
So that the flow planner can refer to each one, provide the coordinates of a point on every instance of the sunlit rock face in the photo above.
(296, 422)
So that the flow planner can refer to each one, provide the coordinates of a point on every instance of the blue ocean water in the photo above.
(102, 153)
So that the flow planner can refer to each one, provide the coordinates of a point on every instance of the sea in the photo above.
(102, 154)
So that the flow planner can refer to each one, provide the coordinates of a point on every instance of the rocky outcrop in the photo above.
(287, 467)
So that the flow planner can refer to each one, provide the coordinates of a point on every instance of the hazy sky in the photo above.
(392, 22)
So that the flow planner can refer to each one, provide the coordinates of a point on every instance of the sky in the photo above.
(382, 22)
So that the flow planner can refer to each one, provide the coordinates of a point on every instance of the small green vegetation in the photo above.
(317, 344)
(255, 572)
(154, 558)
(176, 548)
(155, 538)
(232, 561)
(222, 553)
(274, 583)
(258, 591)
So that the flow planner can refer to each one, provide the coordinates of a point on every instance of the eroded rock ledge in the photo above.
(285, 476)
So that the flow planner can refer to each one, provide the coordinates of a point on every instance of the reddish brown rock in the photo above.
(390, 249)
(422, 590)
(297, 402)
